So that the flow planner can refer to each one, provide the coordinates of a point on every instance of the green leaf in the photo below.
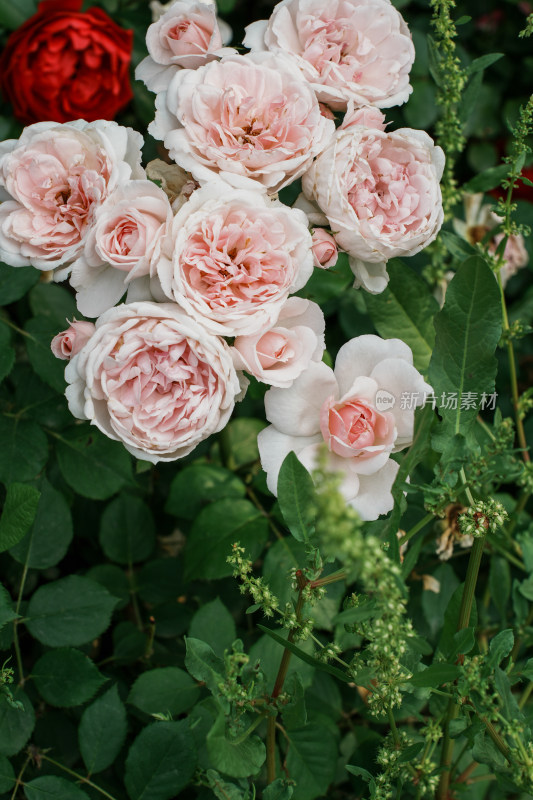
(55, 303)
(197, 486)
(66, 677)
(102, 731)
(7, 775)
(305, 656)
(215, 530)
(202, 663)
(405, 310)
(500, 584)
(7, 613)
(365, 610)
(167, 690)
(7, 353)
(239, 441)
(500, 647)
(160, 762)
(459, 248)
(24, 450)
(278, 790)
(435, 675)
(451, 620)
(360, 772)
(294, 713)
(214, 623)
(421, 111)
(69, 612)
(463, 642)
(93, 465)
(127, 530)
(160, 580)
(296, 498)
(114, 580)
(468, 330)
(224, 790)
(51, 534)
(481, 63)
(50, 369)
(51, 787)
(18, 514)
(487, 180)
(16, 724)
(486, 752)
(14, 281)
(311, 760)
(237, 759)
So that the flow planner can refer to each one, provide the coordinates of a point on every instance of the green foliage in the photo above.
(160, 762)
(102, 731)
(19, 511)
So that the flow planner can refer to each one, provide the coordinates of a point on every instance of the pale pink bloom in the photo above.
(356, 411)
(236, 256)
(367, 116)
(56, 176)
(358, 50)
(153, 379)
(381, 196)
(325, 252)
(158, 9)
(67, 343)
(252, 120)
(185, 36)
(124, 244)
(278, 355)
(479, 221)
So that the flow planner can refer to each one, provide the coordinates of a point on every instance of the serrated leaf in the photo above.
(16, 724)
(500, 647)
(166, 690)
(202, 663)
(52, 787)
(102, 731)
(214, 623)
(51, 533)
(405, 310)
(238, 759)
(20, 508)
(197, 486)
(311, 760)
(296, 498)
(468, 330)
(7, 613)
(24, 450)
(127, 530)
(66, 677)
(435, 675)
(69, 612)
(93, 465)
(160, 762)
(216, 529)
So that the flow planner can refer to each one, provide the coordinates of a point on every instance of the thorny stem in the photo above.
(278, 686)
(464, 619)
(77, 776)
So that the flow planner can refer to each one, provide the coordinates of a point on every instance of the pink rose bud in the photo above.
(324, 249)
(67, 343)
(368, 116)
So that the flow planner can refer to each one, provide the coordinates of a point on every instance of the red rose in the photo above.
(64, 64)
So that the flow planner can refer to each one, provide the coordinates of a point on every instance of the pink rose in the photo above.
(252, 120)
(325, 252)
(358, 50)
(185, 36)
(67, 343)
(367, 116)
(236, 256)
(278, 355)
(153, 379)
(381, 196)
(124, 244)
(356, 411)
(56, 176)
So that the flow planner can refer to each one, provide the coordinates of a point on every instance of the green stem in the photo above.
(133, 597)
(18, 781)
(464, 620)
(414, 530)
(77, 776)
(240, 739)
(525, 695)
(16, 643)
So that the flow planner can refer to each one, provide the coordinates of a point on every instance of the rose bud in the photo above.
(67, 343)
(324, 249)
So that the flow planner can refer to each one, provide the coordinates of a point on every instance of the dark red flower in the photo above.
(65, 64)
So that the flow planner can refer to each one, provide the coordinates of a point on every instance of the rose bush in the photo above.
(64, 64)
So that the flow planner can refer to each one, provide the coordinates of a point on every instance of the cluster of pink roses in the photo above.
(208, 261)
